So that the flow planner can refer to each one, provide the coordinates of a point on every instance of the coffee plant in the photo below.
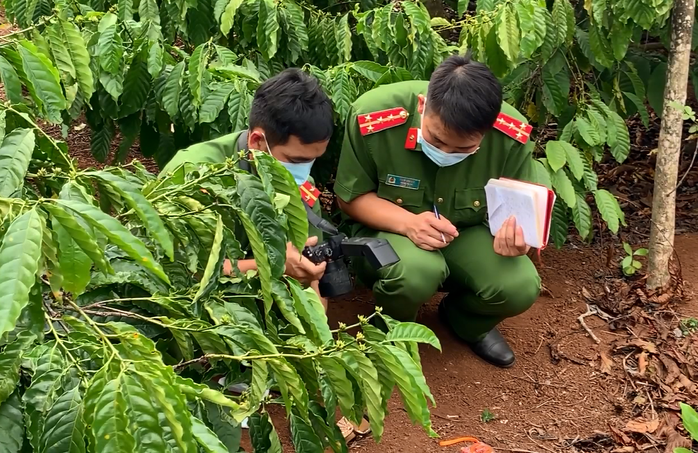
(118, 332)
(176, 72)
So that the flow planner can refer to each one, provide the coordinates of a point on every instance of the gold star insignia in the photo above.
(367, 117)
(370, 128)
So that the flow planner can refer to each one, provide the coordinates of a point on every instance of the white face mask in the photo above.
(299, 170)
(440, 158)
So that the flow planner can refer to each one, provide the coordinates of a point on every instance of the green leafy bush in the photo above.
(118, 333)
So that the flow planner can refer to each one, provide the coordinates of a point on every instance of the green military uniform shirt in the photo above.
(217, 151)
(380, 154)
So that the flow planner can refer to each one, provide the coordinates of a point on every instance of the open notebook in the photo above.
(531, 204)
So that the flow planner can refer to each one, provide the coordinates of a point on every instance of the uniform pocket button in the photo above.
(399, 201)
(476, 203)
(440, 200)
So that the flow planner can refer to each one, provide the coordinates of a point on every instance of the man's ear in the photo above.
(421, 100)
(255, 140)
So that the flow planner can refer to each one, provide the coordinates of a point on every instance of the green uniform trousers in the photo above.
(483, 287)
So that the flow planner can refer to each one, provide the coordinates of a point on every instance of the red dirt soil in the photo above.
(539, 406)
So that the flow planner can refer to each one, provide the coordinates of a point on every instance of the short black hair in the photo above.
(465, 94)
(292, 103)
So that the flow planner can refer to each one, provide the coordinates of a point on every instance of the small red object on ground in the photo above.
(477, 447)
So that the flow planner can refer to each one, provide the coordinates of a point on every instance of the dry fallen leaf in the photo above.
(642, 363)
(627, 449)
(606, 363)
(587, 295)
(620, 437)
(672, 369)
(646, 345)
(642, 426)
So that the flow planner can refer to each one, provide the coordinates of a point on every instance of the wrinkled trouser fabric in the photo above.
(483, 287)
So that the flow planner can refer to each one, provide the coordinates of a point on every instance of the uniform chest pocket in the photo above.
(411, 199)
(470, 207)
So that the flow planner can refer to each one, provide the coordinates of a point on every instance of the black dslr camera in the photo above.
(336, 280)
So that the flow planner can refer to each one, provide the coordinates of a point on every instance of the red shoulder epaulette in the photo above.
(309, 193)
(514, 128)
(370, 123)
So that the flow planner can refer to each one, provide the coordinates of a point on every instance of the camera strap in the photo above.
(314, 219)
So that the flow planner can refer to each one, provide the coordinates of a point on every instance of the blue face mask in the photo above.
(439, 157)
(299, 170)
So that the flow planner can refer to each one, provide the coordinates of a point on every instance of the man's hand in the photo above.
(300, 267)
(509, 240)
(425, 231)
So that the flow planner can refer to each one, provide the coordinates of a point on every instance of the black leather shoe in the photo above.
(493, 348)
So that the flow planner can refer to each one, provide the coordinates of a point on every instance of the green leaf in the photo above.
(197, 71)
(563, 187)
(133, 197)
(64, 428)
(556, 154)
(11, 82)
(559, 225)
(462, 7)
(112, 83)
(148, 11)
(410, 331)
(542, 174)
(137, 86)
(290, 384)
(285, 304)
(111, 423)
(574, 160)
(268, 29)
(344, 38)
(228, 16)
(207, 439)
(641, 109)
(19, 263)
(263, 434)
(147, 431)
(600, 47)
(124, 10)
(627, 249)
(608, 206)
(100, 143)
(508, 32)
(117, 234)
(311, 310)
(689, 417)
(221, 424)
(589, 134)
(74, 43)
(336, 374)
(409, 383)
(581, 213)
(255, 202)
(369, 69)
(79, 235)
(365, 373)
(44, 80)
(215, 101)
(213, 259)
(620, 147)
(283, 183)
(170, 94)
(556, 84)
(15, 153)
(110, 49)
(10, 361)
(155, 59)
(259, 251)
(74, 263)
(304, 438)
(11, 425)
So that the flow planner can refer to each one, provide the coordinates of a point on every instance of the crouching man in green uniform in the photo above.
(291, 118)
(415, 149)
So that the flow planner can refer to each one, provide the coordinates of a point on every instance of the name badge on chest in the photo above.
(402, 181)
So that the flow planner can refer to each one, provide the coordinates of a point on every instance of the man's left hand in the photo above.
(509, 240)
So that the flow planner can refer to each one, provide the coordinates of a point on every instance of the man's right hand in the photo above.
(300, 267)
(425, 231)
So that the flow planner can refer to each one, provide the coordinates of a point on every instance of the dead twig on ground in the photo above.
(581, 317)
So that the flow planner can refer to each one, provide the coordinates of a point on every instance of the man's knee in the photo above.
(409, 283)
(516, 293)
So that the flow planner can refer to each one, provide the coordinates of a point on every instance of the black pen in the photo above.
(436, 213)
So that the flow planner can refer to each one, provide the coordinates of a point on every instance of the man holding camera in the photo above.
(291, 118)
(415, 159)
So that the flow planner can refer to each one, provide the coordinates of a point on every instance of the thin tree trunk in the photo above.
(670, 136)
